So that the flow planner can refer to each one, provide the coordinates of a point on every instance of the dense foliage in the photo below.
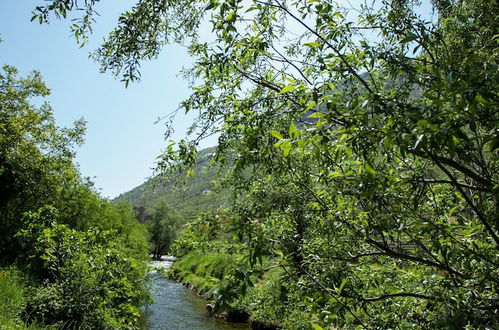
(364, 140)
(35, 154)
(13, 300)
(71, 258)
(89, 281)
(162, 227)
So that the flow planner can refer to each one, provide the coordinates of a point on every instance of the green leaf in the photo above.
(287, 88)
(212, 5)
(231, 18)
(495, 190)
(310, 105)
(276, 134)
(285, 147)
(316, 115)
(452, 210)
(62, 10)
(312, 44)
(293, 131)
(480, 99)
(343, 137)
(317, 327)
(369, 169)
(342, 285)
(409, 38)
(335, 175)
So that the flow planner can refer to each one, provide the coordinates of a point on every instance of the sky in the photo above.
(122, 139)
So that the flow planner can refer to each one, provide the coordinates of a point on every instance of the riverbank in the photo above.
(177, 307)
(210, 275)
(269, 294)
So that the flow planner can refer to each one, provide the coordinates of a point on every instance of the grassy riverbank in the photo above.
(213, 264)
(213, 273)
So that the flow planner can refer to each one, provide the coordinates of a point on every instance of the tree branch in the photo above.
(403, 256)
(401, 294)
(469, 201)
(464, 185)
(452, 163)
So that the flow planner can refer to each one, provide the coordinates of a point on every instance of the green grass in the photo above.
(13, 290)
(204, 272)
(11, 298)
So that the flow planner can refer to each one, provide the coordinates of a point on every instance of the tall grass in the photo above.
(13, 291)
(203, 271)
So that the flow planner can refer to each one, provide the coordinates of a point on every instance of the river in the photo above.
(176, 307)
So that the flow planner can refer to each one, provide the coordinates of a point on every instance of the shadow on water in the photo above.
(176, 307)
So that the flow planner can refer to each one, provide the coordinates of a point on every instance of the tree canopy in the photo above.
(35, 154)
(364, 143)
(68, 257)
(163, 228)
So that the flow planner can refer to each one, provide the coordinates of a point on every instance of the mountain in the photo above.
(196, 195)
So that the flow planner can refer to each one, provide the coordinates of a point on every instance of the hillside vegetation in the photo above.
(189, 196)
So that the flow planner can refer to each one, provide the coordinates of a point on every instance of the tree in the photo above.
(163, 228)
(35, 154)
(83, 256)
(364, 143)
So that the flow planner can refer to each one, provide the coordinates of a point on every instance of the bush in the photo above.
(87, 281)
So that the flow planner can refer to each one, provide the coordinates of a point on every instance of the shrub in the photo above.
(87, 280)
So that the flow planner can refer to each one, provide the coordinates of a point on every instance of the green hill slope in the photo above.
(197, 194)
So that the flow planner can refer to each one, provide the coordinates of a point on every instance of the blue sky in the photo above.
(122, 141)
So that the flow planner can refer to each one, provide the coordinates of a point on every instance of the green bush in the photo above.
(86, 279)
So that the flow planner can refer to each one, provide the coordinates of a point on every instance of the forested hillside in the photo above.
(189, 195)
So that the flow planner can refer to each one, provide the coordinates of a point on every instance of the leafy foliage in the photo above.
(364, 142)
(80, 257)
(209, 260)
(13, 298)
(35, 155)
(88, 280)
(162, 229)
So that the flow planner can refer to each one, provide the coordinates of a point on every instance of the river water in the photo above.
(176, 307)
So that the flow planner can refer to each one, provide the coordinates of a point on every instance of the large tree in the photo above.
(364, 139)
(163, 227)
(36, 156)
(82, 256)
